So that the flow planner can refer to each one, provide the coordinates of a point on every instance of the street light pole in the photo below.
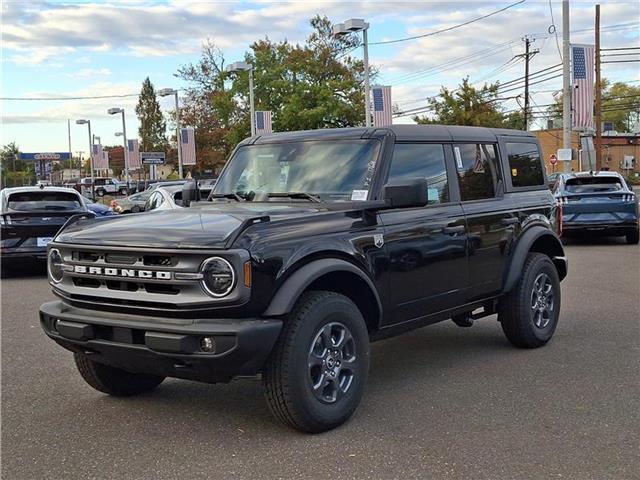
(88, 123)
(245, 67)
(566, 81)
(163, 92)
(252, 106)
(354, 25)
(113, 111)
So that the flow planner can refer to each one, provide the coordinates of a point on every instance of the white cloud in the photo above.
(89, 73)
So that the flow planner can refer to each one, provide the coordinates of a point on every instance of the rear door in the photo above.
(427, 246)
(490, 217)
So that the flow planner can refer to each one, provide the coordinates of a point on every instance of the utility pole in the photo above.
(566, 81)
(598, 116)
(527, 55)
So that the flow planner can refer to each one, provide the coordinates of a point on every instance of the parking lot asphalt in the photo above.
(442, 402)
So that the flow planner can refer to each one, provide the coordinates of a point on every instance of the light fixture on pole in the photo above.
(246, 67)
(114, 111)
(354, 25)
(163, 92)
(88, 123)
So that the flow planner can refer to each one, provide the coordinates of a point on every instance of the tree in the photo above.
(620, 105)
(314, 85)
(152, 124)
(471, 106)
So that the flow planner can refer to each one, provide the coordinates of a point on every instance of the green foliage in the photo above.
(15, 172)
(313, 85)
(152, 124)
(173, 176)
(470, 106)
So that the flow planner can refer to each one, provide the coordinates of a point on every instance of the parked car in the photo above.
(98, 208)
(133, 203)
(103, 186)
(164, 198)
(598, 203)
(164, 183)
(31, 216)
(312, 244)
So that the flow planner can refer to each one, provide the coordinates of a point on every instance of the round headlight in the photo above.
(54, 265)
(218, 277)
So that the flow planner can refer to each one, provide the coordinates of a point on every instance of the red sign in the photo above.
(553, 159)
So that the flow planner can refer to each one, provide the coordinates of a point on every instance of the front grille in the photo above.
(132, 278)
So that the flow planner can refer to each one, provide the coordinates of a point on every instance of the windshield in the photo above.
(333, 171)
(32, 201)
(593, 184)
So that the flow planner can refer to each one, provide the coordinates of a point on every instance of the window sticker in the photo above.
(456, 151)
(359, 195)
(514, 172)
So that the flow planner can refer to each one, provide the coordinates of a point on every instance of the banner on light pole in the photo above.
(382, 111)
(263, 122)
(133, 149)
(188, 146)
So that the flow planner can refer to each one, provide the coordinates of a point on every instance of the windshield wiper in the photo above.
(306, 196)
(232, 196)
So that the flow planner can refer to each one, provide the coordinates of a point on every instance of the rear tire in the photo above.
(633, 237)
(135, 209)
(114, 381)
(316, 374)
(100, 192)
(529, 313)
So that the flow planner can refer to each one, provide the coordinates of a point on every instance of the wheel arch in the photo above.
(332, 274)
(535, 239)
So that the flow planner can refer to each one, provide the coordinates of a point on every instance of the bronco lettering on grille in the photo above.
(122, 272)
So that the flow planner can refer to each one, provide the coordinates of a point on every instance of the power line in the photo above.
(448, 29)
(95, 97)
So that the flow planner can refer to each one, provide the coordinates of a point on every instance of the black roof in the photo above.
(402, 133)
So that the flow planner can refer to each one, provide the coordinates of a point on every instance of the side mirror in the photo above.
(190, 193)
(405, 193)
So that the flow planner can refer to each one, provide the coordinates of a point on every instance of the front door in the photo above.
(427, 246)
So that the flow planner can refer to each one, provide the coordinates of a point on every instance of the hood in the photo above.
(201, 226)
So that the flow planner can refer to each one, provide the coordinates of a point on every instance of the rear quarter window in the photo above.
(31, 201)
(525, 165)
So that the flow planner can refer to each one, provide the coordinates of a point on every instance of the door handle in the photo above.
(509, 221)
(453, 230)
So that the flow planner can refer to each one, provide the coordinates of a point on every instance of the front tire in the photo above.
(633, 237)
(100, 192)
(529, 313)
(114, 381)
(316, 374)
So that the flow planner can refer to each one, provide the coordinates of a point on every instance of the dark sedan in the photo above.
(31, 217)
(598, 202)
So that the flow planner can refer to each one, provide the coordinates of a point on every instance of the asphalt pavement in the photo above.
(442, 402)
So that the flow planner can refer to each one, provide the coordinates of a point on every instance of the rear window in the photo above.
(31, 201)
(525, 165)
(593, 184)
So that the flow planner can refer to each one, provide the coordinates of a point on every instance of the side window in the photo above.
(99, 181)
(411, 160)
(153, 202)
(478, 171)
(525, 164)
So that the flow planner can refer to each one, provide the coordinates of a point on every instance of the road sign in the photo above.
(152, 158)
(564, 154)
(45, 156)
(553, 159)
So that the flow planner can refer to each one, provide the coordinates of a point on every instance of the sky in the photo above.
(80, 49)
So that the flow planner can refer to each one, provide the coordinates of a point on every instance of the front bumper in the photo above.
(157, 347)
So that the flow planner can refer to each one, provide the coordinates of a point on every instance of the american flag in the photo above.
(133, 150)
(582, 57)
(263, 122)
(382, 114)
(188, 146)
(97, 157)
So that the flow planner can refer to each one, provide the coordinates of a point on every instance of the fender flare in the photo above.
(525, 242)
(289, 292)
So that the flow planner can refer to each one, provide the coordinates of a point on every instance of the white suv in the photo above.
(103, 186)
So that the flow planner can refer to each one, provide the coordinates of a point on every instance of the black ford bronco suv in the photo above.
(311, 245)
